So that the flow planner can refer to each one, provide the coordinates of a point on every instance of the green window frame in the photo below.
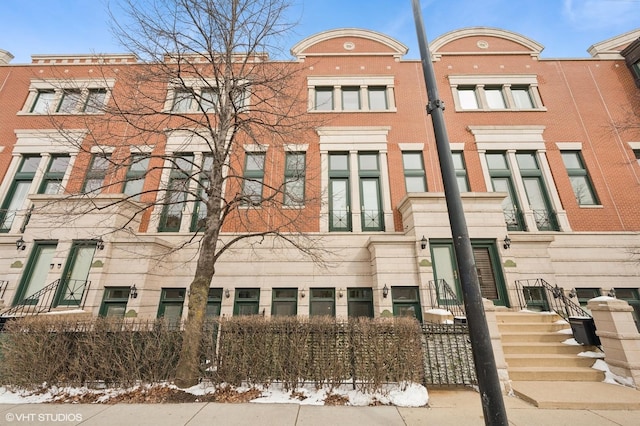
(214, 303)
(406, 302)
(632, 297)
(134, 180)
(198, 217)
(247, 301)
(370, 192)
(44, 102)
(253, 179)
(322, 301)
(171, 305)
(176, 193)
(294, 179)
(52, 179)
(95, 101)
(284, 302)
(324, 98)
(414, 174)
(114, 302)
(461, 171)
(585, 294)
(69, 102)
(580, 179)
(18, 191)
(96, 174)
(502, 181)
(360, 302)
(536, 191)
(339, 192)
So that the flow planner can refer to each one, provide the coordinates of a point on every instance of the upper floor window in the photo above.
(195, 96)
(414, 176)
(495, 92)
(253, 178)
(52, 180)
(351, 93)
(134, 180)
(94, 180)
(80, 96)
(176, 194)
(461, 171)
(579, 177)
(18, 191)
(294, 178)
(182, 101)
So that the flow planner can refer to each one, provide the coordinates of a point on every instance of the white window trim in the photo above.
(360, 81)
(198, 85)
(505, 81)
(510, 139)
(59, 86)
(355, 139)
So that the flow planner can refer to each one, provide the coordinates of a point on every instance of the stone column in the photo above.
(496, 343)
(619, 336)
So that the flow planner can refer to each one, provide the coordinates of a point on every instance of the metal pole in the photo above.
(485, 363)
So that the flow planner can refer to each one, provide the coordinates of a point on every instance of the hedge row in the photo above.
(253, 350)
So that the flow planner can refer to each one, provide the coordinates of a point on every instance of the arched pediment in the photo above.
(484, 40)
(349, 41)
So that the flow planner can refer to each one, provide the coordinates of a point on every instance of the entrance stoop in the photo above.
(549, 373)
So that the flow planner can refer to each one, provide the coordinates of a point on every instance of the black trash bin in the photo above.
(584, 330)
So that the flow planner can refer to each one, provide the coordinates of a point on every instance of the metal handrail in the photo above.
(446, 298)
(45, 299)
(3, 287)
(554, 298)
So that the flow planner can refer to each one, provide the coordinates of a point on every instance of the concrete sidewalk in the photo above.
(459, 407)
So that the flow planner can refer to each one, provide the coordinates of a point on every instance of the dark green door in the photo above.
(75, 273)
(35, 274)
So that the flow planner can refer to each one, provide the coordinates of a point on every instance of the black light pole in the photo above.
(486, 371)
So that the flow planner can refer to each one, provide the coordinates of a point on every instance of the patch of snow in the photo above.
(610, 377)
(414, 395)
(448, 322)
(561, 321)
(591, 354)
(572, 342)
(438, 311)
(565, 331)
(67, 312)
(603, 298)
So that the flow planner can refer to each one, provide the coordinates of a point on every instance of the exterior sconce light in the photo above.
(612, 293)
(20, 244)
(302, 293)
(100, 244)
(133, 292)
(572, 293)
(507, 243)
(423, 243)
(385, 291)
(340, 294)
(227, 294)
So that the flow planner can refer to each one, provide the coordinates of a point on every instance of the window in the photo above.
(351, 98)
(214, 303)
(637, 154)
(247, 301)
(209, 99)
(182, 101)
(18, 191)
(522, 97)
(134, 181)
(360, 302)
(586, 294)
(495, 97)
(378, 98)
(502, 181)
(69, 102)
(414, 176)
(579, 177)
(339, 199)
(468, 98)
(496, 92)
(294, 178)
(171, 304)
(176, 193)
(322, 301)
(406, 302)
(324, 98)
(44, 102)
(536, 191)
(95, 101)
(198, 219)
(370, 196)
(285, 302)
(461, 171)
(114, 302)
(632, 297)
(94, 180)
(52, 180)
(253, 179)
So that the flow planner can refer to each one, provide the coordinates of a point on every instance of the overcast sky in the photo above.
(566, 28)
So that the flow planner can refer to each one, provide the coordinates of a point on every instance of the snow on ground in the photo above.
(405, 395)
(572, 342)
(591, 354)
(565, 331)
(610, 377)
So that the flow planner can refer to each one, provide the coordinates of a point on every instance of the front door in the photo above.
(445, 273)
(35, 274)
(488, 268)
(76, 272)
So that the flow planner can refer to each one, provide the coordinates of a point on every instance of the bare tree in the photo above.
(204, 79)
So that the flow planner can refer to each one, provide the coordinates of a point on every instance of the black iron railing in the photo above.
(3, 287)
(443, 296)
(75, 292)
(546, 220)
(538, 294)
(448, 360)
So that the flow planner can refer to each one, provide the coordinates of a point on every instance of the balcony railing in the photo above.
(546, 220)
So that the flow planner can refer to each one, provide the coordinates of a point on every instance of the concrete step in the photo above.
(524, 337)
(532, 327)
(533, 348)
(577, 396)
(548, 360)
(546, 373)
(524, 316)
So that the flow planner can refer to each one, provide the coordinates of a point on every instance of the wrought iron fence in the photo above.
(448, 360)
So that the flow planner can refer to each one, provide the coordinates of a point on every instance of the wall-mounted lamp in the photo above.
(612, 293)
(20, 244)
(302, 293)
(100, 244)
(423, 243)
(133, 292)
(507, 243)
(572, 293)
(340, 294)
(226, 293)
(385, 291)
